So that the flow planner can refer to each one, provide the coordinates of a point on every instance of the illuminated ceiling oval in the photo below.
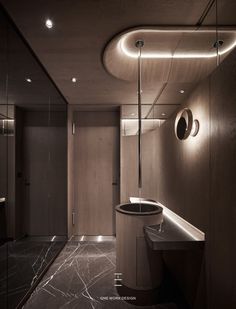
(169, 54)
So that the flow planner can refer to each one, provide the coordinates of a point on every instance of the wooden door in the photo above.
(96, 172)
(44, 175)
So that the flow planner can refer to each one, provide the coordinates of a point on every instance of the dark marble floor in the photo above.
(22, 262)
(82, 276)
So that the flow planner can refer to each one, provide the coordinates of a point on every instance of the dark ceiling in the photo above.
(74, 46)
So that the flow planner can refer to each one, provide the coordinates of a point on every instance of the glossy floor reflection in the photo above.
(82, 276)
(22, 262)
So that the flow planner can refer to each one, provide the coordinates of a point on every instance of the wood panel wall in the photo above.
(96, 175)
(196, 178)
(129, 166)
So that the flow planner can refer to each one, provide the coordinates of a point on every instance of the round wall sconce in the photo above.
(185, 125)
(195, 128)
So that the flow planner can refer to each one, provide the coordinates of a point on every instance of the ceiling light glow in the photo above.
(29, 80)
(49, 23)
(181, 91)
(122, 45)
(74, 79)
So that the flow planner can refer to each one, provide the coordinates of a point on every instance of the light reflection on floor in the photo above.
(82, 276)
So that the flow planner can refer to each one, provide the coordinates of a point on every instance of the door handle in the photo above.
(73, 218)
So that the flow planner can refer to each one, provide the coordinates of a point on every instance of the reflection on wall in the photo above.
(7, 127)
(130, 126)
(129, 164)
(7, 166)
(43, 155)
(33, 168)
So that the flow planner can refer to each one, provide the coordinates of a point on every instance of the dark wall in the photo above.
(44, 173)
(7, 170)
(222, 229)
(197, 180)
(33, 167)
(70, 173)
(36, 150)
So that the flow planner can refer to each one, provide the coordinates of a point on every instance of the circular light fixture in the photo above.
(49, 23)
(195, 128)
(182, 91)
(74, 79)
(183, 124)
(29, 80)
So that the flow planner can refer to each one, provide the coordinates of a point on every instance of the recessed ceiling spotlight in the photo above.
(29, 80)
(49, 23)
(163, 114)
(74, 79)
(181, 91)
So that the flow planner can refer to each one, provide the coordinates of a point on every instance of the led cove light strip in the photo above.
(176, 220)
(184, 225)
(168, 55)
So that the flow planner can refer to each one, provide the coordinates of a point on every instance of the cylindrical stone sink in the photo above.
(139, 266)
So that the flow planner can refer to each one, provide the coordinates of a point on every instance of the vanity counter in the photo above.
(173, 235)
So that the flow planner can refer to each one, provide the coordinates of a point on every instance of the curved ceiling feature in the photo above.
(169, 54)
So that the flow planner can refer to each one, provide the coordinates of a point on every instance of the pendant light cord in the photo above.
(139, 44)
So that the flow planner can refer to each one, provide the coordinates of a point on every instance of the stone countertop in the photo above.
(171, 236)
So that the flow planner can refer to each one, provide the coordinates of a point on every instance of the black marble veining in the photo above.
(22, 264)
(83, 276)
